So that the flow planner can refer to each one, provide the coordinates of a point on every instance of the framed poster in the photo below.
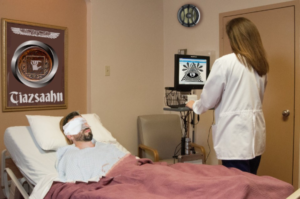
(34, 65)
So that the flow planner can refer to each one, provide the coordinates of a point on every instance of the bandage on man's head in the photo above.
(75, 126)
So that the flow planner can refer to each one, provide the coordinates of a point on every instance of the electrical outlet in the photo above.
(107, 70)
(182, 51)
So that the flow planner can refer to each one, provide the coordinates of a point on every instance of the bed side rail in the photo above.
(5, 183)
(16, 187)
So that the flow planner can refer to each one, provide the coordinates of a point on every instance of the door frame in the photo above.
(295, 4)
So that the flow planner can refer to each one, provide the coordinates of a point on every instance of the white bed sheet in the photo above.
(33, 162)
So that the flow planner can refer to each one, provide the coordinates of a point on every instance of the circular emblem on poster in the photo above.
(34, 64)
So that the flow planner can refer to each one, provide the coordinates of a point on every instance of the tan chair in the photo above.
(159, 135)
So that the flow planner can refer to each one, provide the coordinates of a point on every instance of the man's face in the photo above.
(85, 134)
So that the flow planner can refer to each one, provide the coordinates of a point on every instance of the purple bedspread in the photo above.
(132, 178)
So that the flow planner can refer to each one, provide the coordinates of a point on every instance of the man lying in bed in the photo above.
(85, 159)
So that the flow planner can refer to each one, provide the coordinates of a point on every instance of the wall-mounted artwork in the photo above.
(34, 65)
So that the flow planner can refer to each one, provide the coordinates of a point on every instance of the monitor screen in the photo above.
(191, 72)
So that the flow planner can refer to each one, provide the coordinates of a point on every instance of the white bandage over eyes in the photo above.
(75, 126)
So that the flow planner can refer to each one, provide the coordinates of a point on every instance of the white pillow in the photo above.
(100, 133)
(46, 131)
(48, 135)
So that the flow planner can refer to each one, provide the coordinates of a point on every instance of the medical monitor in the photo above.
(191, 72)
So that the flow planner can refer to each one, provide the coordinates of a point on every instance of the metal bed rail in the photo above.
(14, 187)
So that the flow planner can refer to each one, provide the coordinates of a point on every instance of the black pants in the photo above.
(249, 166)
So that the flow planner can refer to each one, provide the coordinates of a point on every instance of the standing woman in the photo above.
(235, 88)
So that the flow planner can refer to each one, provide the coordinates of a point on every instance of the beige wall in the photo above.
(200, 39)
(67, 13)
(128, 37)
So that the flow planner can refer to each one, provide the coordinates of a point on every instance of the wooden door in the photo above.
(277, 30)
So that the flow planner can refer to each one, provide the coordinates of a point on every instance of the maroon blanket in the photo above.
(132, 178)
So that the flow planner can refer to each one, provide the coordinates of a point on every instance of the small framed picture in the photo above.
(34, 65)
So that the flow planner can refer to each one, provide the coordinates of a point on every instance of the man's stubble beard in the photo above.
(84, 137)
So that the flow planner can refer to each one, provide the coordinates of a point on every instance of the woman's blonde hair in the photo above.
(246, 43)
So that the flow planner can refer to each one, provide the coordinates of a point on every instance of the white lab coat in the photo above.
(236, 93)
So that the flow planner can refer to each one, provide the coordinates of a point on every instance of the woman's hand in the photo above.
(190, 104)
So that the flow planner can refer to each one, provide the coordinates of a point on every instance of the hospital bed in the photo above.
(32, 161)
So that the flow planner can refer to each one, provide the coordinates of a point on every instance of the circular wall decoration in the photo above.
(34, 64)
(188, 15)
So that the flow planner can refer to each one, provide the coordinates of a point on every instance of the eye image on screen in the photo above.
(192, 71)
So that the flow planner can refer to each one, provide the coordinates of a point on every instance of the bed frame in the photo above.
(12, 188)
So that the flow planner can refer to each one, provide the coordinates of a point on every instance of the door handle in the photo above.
(285, 113)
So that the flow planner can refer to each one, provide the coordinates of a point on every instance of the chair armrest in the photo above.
(146, 148)
(202, 149)
(15, 186)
